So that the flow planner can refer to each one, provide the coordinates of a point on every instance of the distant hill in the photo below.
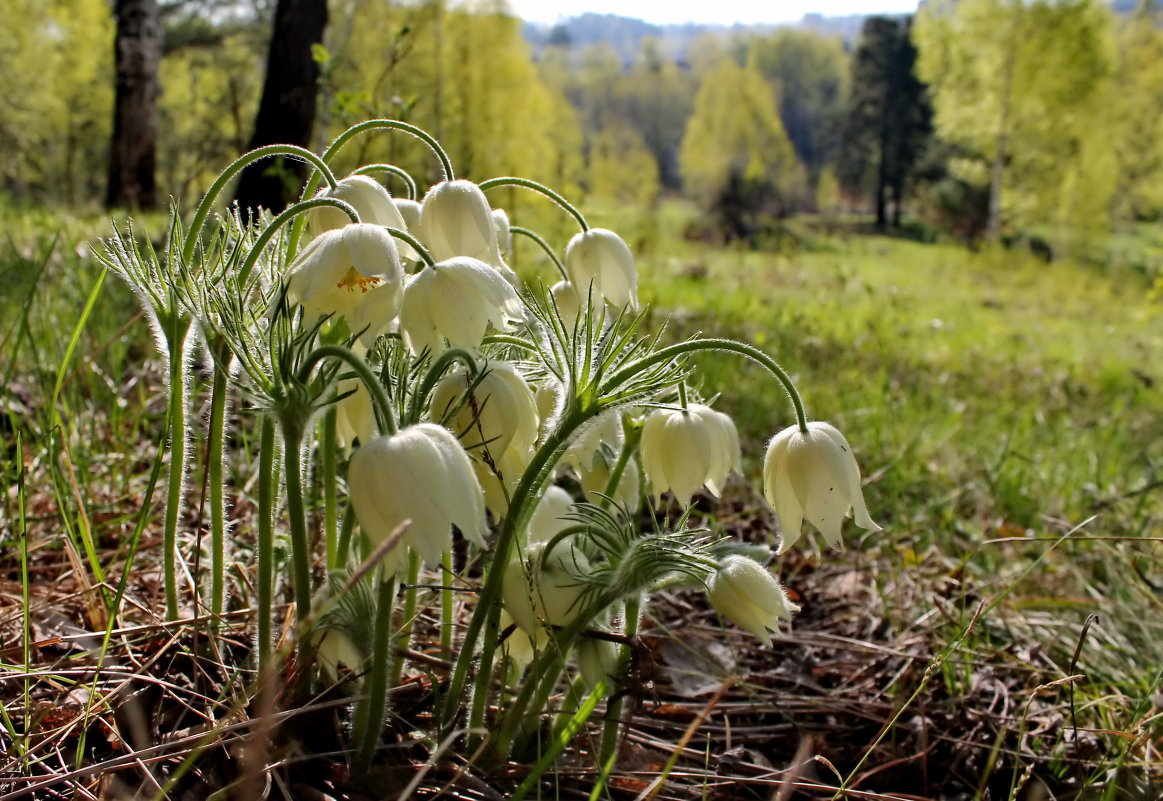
(625, 34)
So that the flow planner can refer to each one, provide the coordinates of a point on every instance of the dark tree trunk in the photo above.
(137, 52)
(882, 181)
(286, 113)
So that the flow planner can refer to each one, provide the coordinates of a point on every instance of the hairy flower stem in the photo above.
(203, 211)
(541, 189)
(409, 619)
(545, 246)
(610, 732)
(217, 435)
(176, 334)
(447, 605)
(385, 415)
(369, 719)
(355, 130)
(488, 608)
(726, 345)
(297, 513)
(267, 488)
(328, 471)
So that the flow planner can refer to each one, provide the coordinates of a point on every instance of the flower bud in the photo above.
(568, 303)
(549, 516)
(600, 257)
(504, 233)
(549, 594)
(354, 415)
(744, 592)
(597, 480)
(456, 300)
(422, 474)
(596, 659)
(409, 212)
(813, 475)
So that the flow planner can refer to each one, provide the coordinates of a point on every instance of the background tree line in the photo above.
(985, 117)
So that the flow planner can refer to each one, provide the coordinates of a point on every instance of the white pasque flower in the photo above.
(456, 300)
(352, 272)
(813, 475)
(422, 474)
(683, 449)
(457, 220)
(498, 413)
(549, 594)
(600, 257)
(744, 592)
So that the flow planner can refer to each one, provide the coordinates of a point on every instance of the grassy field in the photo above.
(1007, 414)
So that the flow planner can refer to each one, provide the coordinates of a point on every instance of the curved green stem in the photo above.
(266, 541)
(447, 605)
(355, 130)
(536, 237)
(391, 169)
(345, 532)
(203, 210)
(488, 603)
(425, 256)
(387, 415)
(726, 345)
(435, 371)
(493, 183)
(632, 436)
(278, 222)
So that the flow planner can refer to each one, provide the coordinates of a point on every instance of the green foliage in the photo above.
(1023, 88)
(735, 139)
(888, 122)
(56, 111)
(621, 167)
(810, 76)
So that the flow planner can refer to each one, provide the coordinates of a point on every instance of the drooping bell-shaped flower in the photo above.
(456, 300)
(366, 195)
(813, 475)
(683, 449)
(600, 257)
(549, 594)
(352, 272)
(744, 592)
(457, 220)
(421, 473)
(493, 413)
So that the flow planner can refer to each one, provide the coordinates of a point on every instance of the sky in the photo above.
(727, 12)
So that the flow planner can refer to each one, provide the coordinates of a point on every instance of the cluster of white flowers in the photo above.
(484, 429)
(459, 394)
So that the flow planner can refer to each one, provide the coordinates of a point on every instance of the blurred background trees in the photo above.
(991, 118)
